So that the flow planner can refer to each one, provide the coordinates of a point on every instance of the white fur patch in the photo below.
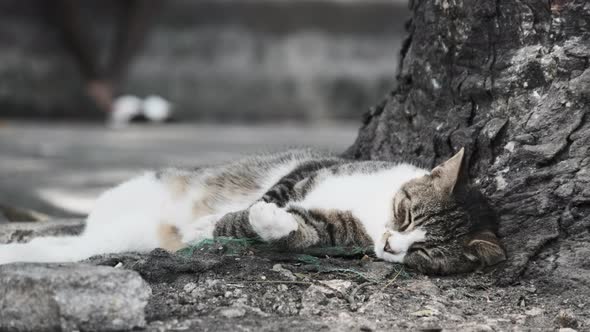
(200, 229)
(271, 222)
(50, 249)
(399, 244)
(368, 196)
(125, 218)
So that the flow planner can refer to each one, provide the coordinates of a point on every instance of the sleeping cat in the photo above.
(431, 221)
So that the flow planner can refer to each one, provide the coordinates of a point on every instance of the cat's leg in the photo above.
(53, 240)
(22, 252)
(236, 225)
(295, 227)
(263, 220)
(70, 248)
(44, 249)
(124, 218)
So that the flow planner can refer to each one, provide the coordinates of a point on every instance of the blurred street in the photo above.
(215, 60)
(60, 169)
(262, 71)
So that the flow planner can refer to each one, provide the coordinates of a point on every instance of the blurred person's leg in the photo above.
(82, 46)
(134, 18)
(134, 21)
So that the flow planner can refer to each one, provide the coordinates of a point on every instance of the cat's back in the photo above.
(250, 168)
(265, 169)
(263, 163)
(236, 184)
(354, 180)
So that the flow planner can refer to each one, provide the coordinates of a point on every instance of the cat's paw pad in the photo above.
(271, 222)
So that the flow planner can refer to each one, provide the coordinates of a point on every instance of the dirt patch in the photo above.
(223, 286)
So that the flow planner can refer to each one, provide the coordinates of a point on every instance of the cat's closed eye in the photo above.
(402, 211)
(407, 221)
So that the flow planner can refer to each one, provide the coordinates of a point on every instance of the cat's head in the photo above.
(460, 225)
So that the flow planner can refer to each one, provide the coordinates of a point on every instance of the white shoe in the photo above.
(125, 108)
(156, 109)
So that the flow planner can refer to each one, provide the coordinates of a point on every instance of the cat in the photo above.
(430, 220)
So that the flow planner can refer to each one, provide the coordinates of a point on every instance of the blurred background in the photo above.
(208, 80)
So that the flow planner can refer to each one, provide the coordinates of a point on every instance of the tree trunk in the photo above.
(510, 81)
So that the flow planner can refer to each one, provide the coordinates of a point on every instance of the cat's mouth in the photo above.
(416, 246)
(397, 243)
(388, 249)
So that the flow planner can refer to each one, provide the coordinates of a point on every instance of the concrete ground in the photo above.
(60, 168)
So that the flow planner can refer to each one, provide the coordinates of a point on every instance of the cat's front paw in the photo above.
(271, 222)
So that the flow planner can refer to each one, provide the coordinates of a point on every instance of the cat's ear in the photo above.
(486, 248)
(447, 175)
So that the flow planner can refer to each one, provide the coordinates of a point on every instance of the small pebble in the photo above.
(189, 287)
(566, 319)
(232, 312)
(534, 312)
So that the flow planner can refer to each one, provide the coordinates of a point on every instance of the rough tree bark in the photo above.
(510, 81)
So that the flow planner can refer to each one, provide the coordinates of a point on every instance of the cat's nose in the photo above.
(387, 237)
(388, 249)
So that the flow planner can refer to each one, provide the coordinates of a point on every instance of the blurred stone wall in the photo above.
(225, 60)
